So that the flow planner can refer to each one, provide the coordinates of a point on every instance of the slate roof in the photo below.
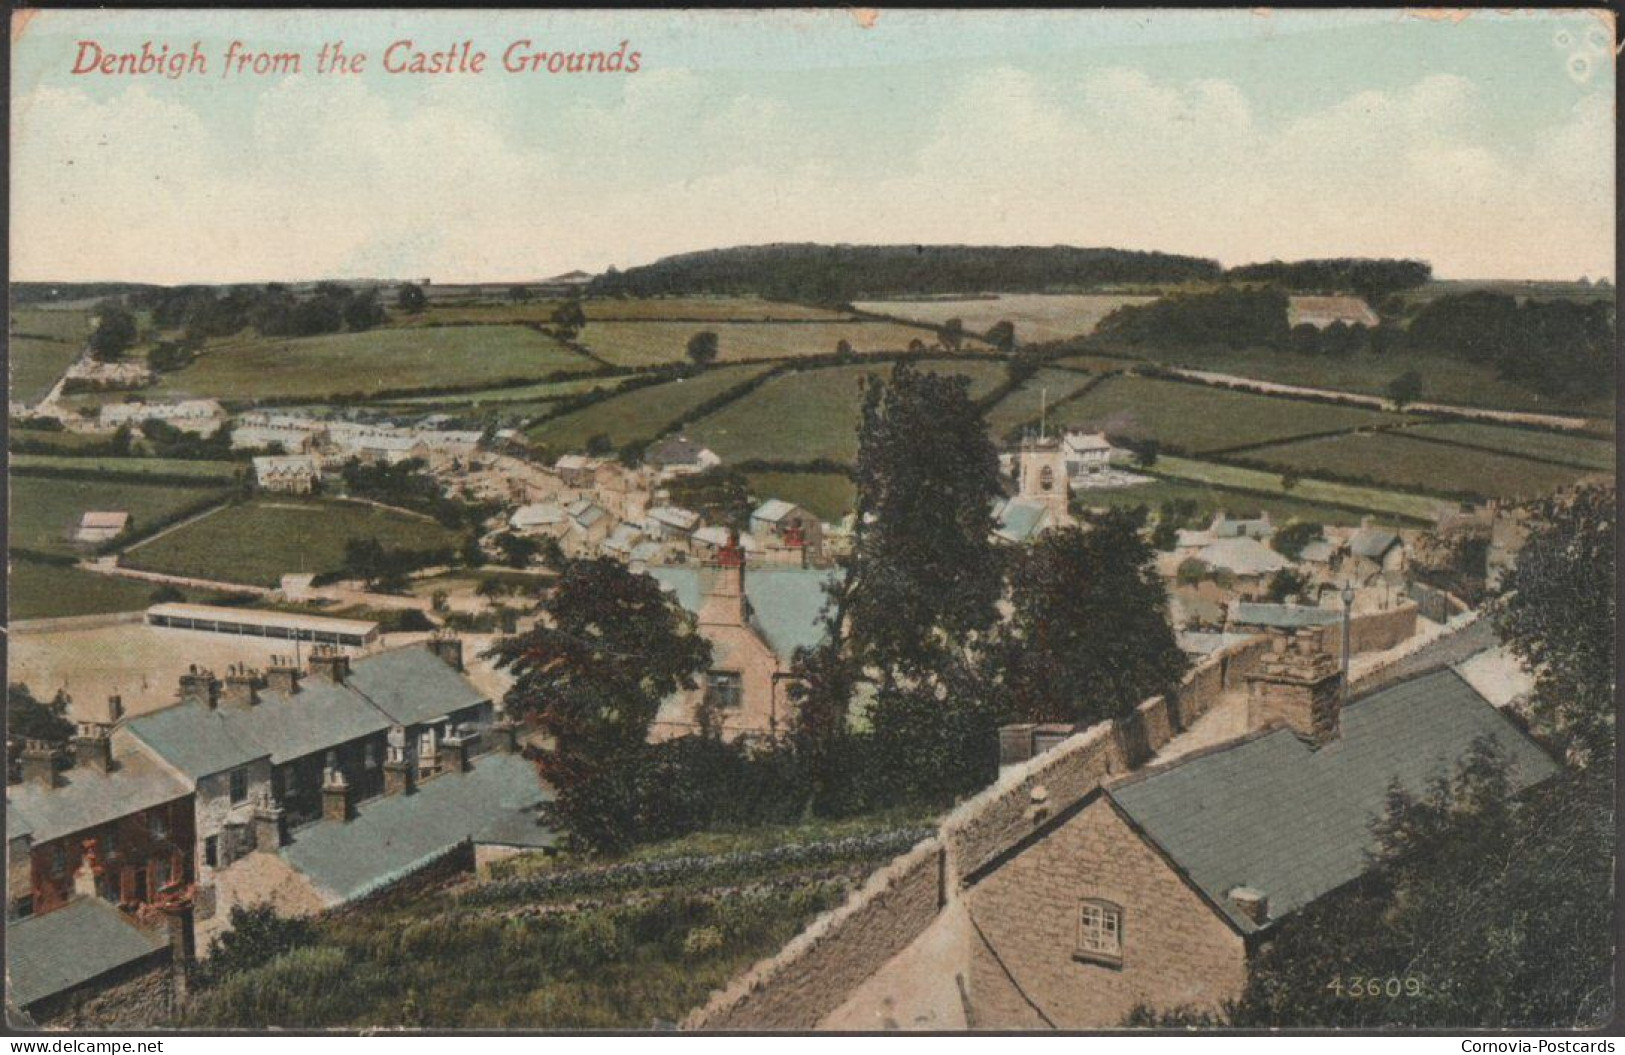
(83, 940)
(785, 602)
(17, 825)
(404, 686)
(1018, 521)
(1372, 543)
(773, 510)
(197, 741)
(537, 514)
(412, 685)
(1253, 613)
(675, 516)
(677, 450)
(86, 797)
(1272, 814)
(393, 836)
(1320, 551)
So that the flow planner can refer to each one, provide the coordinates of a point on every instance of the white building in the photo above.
(298, 474)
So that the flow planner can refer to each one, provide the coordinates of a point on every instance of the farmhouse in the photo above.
(1321, 312)
(1159, 888)
(101, 526)
(680, 456)
(297, 474)
(1087, 453)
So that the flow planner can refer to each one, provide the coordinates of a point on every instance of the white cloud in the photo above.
(331, 178)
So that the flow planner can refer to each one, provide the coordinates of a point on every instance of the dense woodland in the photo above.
(834, 274)
(1372, 279)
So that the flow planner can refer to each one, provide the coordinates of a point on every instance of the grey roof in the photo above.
(1372, 543)
(1018, 521)
(412, 685)
(86, 797)
(83, 940)
(1320, 551)
(1273, 814)
(405, 686)
(394, 836)
(17, 825)
(1257, 613)
(785, 602)
(773, 510)
(677, 450)
(197, 741)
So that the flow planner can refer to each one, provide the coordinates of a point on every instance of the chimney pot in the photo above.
(39, 763)
(1251, 903)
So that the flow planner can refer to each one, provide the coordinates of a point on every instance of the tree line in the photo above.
(834, 274)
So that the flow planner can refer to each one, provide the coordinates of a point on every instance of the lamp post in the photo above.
(1348, 607)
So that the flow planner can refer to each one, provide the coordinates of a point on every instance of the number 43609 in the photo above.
(1363, 987)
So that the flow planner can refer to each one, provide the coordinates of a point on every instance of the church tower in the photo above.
(1041, 474)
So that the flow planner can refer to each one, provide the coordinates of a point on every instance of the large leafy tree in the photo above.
(1558, 616)
(1088, 637)
(924, 580)
(114, 334)
(610, 647)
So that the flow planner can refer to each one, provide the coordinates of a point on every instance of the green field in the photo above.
(1037, 317)
(1392, 459)
(1039, 393)
(1264, 483)
(1210, 499)
(57, 324)
(38, 590)
(636, 344)
(828, 495)
(46, 510)
(550, 390)
(1444, 380)
(640, 414)
(1198, 418)
(703, 308)
(812, 414)
(222, 471)
(370, 362)
(37, 364)
(258, 542)
(1554, 446)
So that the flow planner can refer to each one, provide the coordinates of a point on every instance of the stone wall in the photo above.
(812, 975)
(1374, 631)
(134, 997)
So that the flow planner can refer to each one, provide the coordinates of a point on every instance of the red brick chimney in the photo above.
(725, 603)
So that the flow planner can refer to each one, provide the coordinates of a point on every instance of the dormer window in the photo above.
(1100, 932)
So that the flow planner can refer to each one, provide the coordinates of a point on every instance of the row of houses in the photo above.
(311, 446)
(308, 787)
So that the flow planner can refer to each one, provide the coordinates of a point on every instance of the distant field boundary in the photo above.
(1415, 506)
(1446, 441)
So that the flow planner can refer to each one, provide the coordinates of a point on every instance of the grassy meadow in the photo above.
(46, 510)
(258, 542)
(640, 344)
(368, 363)
(1391, 458)
(812, 414)
(1199, 418)
(829, 495)
(639, 414)
(1037, 317)
(1326, 492)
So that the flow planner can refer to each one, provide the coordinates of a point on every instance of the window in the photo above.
(1046, 479)
(158, 826)
(724, 690)
(59, 859)
(1100, 932)
(239, 786)
(110, 844)
(211, 850)
(160, 872)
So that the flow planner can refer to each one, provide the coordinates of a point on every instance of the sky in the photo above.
(1484, 145)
